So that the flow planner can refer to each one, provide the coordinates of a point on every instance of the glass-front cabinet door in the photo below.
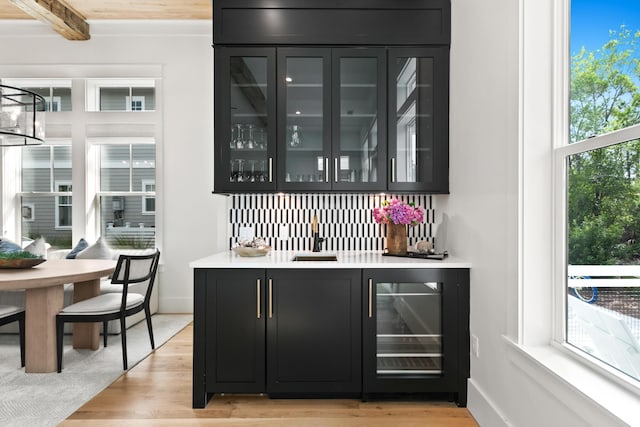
(359, 119)
(245, 128)
(418, 120)
(410, 336)
(304, 119)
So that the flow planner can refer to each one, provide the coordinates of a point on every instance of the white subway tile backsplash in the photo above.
(345, 220)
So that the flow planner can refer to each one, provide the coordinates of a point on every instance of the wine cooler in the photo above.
(416, 332)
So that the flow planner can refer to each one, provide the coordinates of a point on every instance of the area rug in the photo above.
(48, 399)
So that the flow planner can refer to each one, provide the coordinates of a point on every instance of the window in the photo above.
(127, 194)
(148, 202)
(135, 103)
(56, 92)
(46, 189)
(28, 212)
(121, 95)
(63, 205)
(601, 170)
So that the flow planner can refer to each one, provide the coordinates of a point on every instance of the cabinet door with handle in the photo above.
(245, 128)
(359, 119)
(313, 331)
(418, 135)
(304, 119)
(235, 328)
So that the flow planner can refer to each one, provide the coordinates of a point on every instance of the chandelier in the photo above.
(21, 117)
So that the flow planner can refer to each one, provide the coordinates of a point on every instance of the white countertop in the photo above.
(346, 259)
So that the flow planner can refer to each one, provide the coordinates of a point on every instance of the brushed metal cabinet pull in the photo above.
(270, 298)
(335, 169)
(370, 298)
(326, 169)
(258, 299)
(270, 169)
(393, 169)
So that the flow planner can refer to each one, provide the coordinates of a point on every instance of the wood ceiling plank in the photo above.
(123, 9)
(64, 20)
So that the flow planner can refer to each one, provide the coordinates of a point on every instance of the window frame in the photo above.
(58, 195)
(559, 150)
(145, 183)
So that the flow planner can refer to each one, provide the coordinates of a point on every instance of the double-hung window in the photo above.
(127, 193)
(598, 174)
(46, 193)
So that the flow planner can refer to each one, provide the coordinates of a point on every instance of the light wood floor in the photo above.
(157, 392)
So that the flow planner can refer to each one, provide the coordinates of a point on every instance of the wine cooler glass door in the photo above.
(408, 329)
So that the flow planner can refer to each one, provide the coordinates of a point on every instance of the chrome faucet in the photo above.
(314, 233)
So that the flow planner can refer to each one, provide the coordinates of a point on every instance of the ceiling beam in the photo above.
(64, 20)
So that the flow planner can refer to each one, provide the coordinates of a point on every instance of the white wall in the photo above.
(508, 387)
(191, 221)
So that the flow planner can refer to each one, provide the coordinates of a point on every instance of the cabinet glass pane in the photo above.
(414, 121)
(409, 329)
(249, 121)
(358, 120)
(304, 161)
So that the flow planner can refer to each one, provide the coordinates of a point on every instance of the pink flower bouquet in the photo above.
(396, 211)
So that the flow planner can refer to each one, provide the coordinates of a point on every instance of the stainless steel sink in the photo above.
(315, 257)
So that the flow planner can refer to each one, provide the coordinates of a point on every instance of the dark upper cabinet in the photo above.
(359, 119)
(331, 22)
(418, 120)
(245, 115)
(331, 118)
(331, 95)
(304, 119)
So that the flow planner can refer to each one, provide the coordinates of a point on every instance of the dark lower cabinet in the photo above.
(416, 332)
(339, 332)
(313, 332)
(283, 332)
(229, 333)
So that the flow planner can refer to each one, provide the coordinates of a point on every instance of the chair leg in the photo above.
(147, 313)
(123, 334)
(59, 338)
(21, 331)
(104, 333)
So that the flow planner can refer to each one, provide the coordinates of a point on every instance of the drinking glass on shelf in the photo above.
(233, 142)
(240, 140)
(250, 143)
(233, 173)
(262, 168)
(259, 138)
(251, 175)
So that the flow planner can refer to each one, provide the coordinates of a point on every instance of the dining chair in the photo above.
(10, 314)
(130, 269)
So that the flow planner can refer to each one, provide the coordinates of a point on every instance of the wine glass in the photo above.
(250, 143)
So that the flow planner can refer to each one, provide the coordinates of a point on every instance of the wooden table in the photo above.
(43, 285)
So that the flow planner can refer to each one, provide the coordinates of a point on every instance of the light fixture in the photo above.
(21, 117)
(288, 79)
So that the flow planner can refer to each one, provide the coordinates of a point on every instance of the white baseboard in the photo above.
(482, 408)
(176, 305)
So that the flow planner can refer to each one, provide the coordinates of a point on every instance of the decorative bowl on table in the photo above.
(252, 248)
(19, 260)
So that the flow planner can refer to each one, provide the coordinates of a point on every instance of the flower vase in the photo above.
(397, 239)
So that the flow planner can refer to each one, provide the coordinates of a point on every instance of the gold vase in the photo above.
(397, 239)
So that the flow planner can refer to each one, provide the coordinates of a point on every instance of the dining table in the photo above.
(44, 293)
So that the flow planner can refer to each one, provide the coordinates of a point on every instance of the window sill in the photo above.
(584, 390)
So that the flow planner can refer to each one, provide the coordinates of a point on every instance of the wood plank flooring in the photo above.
(157, 392)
